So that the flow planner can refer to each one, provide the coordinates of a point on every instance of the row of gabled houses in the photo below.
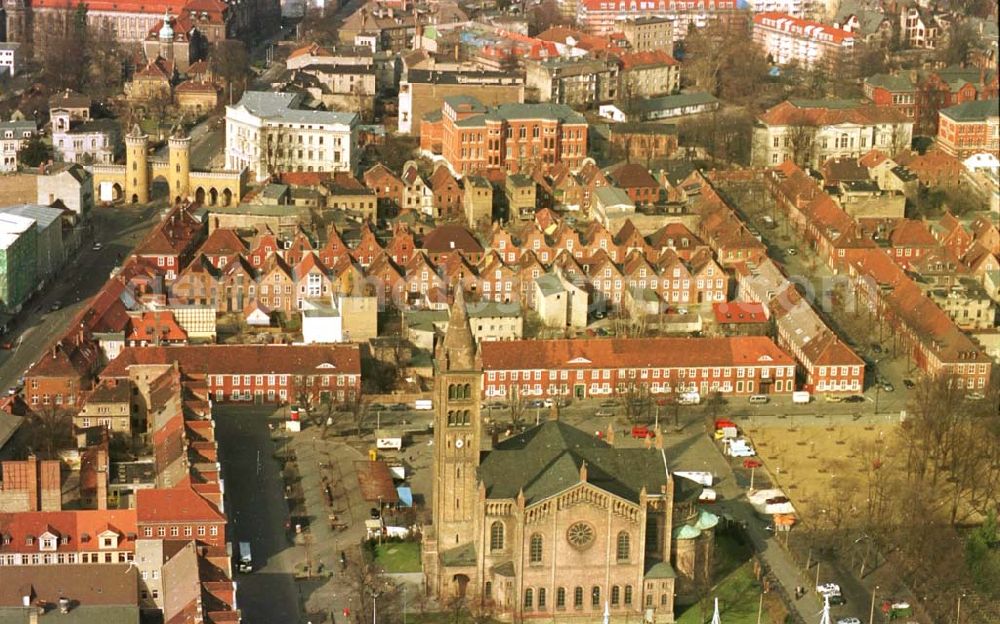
(229, 274)
(935, 342)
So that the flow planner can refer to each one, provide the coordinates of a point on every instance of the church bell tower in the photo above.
(457, 430)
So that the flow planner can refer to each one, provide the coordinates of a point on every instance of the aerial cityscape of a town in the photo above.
(499, 312)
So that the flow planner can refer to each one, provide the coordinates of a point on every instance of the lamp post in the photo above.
(958, 610)
(871, 612)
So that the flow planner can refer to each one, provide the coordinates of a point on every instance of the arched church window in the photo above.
(578, 597)
(528, 595)
(535, 549)
(623, 544)
(496, 536)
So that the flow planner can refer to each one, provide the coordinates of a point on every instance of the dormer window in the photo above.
(47, 543)
(108, 539)
(30, 540)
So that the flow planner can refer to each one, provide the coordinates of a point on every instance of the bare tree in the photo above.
(635, 398)
(515, 406)
(801, 137)
(50, 429)
(379, 597)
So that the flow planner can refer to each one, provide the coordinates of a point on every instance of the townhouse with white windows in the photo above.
(611, 367)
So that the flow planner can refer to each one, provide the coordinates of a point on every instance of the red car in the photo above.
(722, 423)
(750, 462)
(642, 431)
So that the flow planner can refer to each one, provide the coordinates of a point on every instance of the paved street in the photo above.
(118, 229)
(208, 140)
(257, 513)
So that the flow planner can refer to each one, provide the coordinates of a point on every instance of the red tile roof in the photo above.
(223, 242)
(181, 504)
(631, 353)
(243, 359)
(156, 326)
(651, 58)
(788, 113)
(448, 238)
(806, 29)
(736, 312)
(76, 526)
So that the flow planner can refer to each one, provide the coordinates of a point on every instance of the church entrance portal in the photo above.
(461, 584)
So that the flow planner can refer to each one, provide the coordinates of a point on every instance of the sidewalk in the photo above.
(331, 459)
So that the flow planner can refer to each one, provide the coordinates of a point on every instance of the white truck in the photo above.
(738, 448)
(389, 440)
(245, 562)
(801, 397)
(423, 404)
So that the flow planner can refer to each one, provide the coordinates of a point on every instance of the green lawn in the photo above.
(738, 594)
(398, 556)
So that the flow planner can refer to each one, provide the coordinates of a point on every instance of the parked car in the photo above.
(642, 431)
(833, 398)
(837, 600)
(535, 403)
(854, 398)
(848, 620)
(828, 589)
(752, 463)
(888, 387)
(609, 404)
(791, 251)
(7, 346)
(975, 396)
(400, 407)
(97, 246)
(759, 399)
(56, 305)
(604, 413)
(909, 383)
(377, 407)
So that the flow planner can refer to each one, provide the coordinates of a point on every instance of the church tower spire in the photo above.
(457, 444)
(458, 350)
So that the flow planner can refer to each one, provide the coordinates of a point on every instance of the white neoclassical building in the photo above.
(270, 133)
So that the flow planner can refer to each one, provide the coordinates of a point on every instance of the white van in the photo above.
(245, 563)
(689, 398)
(800, 396)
